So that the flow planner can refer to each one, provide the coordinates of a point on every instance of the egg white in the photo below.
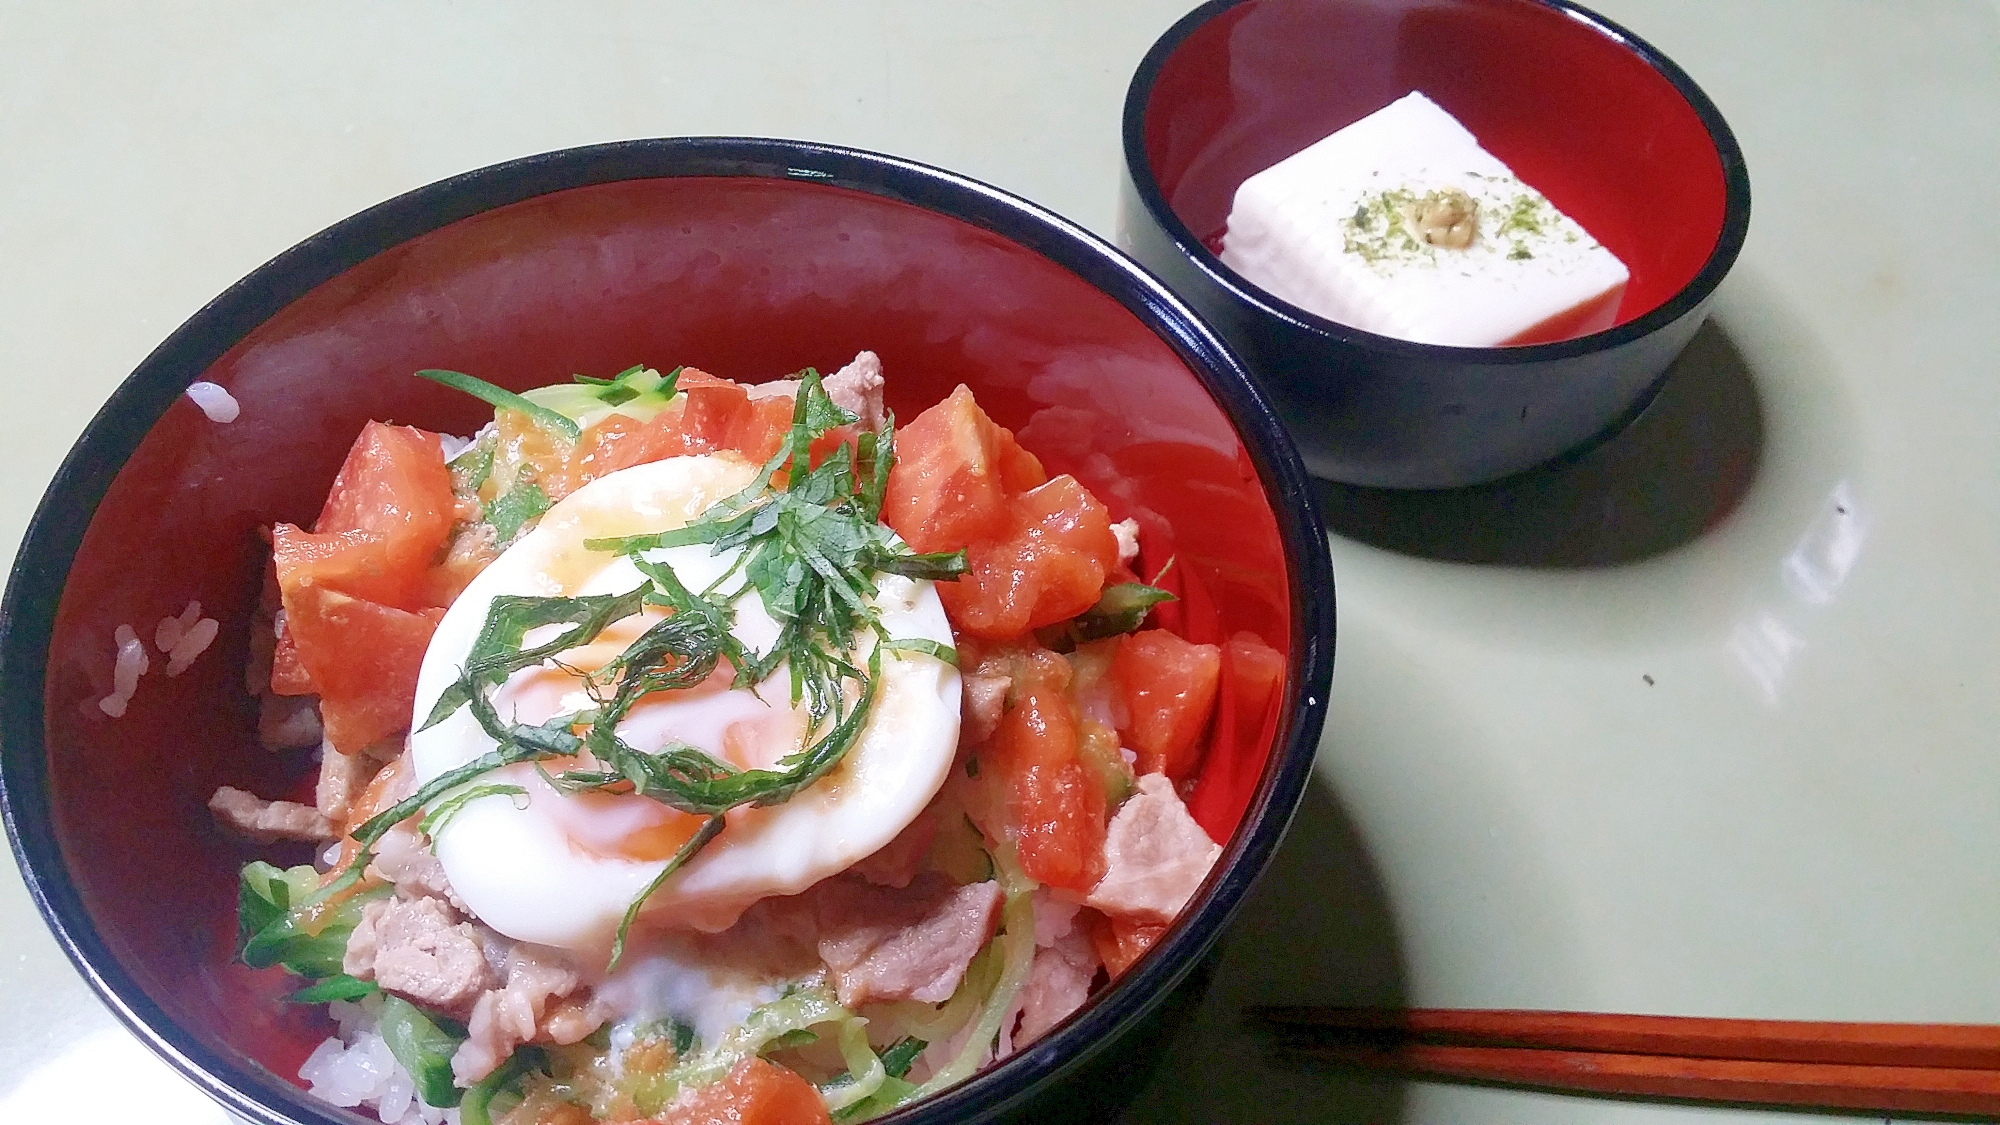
(513, 861)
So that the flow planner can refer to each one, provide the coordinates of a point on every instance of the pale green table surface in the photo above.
(1704, 724)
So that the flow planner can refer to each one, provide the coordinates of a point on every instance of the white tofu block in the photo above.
(1337, 230)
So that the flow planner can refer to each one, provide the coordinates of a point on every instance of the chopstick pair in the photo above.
(1916, 1068)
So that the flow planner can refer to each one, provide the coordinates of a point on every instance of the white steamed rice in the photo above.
(355, 1070)
(215, 401)
(185, 637)
(127, 667)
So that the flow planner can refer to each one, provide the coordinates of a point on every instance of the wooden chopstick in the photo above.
(1972, 1046)
(1924, 1068)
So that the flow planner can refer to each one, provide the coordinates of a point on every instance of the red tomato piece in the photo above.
(1246, 721)
(823, 446)
(708, 412)
(1121, 941)
(686, 377)
(363, 658)
(599, 450)
(1049, 566)
(1169, 689)
(384, 521)
(762, 429)
(946, 489)
(367, 558)
(716, 415)
(1056, 805)
(713, 412)
(1254, 671)
(754, 1092)
(1020, 470)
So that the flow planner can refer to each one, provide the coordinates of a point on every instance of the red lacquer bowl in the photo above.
(1614, 133)
(748, 258)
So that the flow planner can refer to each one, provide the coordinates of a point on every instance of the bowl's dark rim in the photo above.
(27, 613)
(1728, 243)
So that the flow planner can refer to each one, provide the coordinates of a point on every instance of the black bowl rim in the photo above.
(1728, 243)
(54, 535)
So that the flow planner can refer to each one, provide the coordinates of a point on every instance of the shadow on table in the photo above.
(1316, 929)
(1676, 471)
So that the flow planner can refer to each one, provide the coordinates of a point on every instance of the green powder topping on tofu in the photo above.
(1383, 229)
(1527, 214)
(1403, 226)
(1376, 231)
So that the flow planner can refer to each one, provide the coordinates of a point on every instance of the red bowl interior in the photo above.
(1575, 112)
(748, 278)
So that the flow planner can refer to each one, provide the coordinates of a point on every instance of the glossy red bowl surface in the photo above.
(748, 259)
(1614, 133)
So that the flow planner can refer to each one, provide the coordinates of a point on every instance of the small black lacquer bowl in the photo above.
(1614, 133)
(749, 258)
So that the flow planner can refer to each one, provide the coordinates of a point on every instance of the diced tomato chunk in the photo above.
(1246, 721)
(762, 429)
(1254, 671)
(946, 490)
(362, 657)
(1055, 803)
(715, 415)
(702, 421)
(599, 450)
(685, 377)
(712, 412)
(754, 1092)
(1049, 566)
(1169, 689)
(355, 587)
(1121, 941)
(1020, 470)
(823, 446)
(384, 520)
(382, 486)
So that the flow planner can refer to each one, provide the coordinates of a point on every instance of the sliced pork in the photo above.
(268, 821)
(910, 943)
(514, 1013)
(855, 388)
(288, 722)
(1058, 984)
(420, 950)
(1155, 855)
(342, 777)
(404, 859)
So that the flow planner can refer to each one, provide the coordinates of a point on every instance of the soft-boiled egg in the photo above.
(561, 870)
